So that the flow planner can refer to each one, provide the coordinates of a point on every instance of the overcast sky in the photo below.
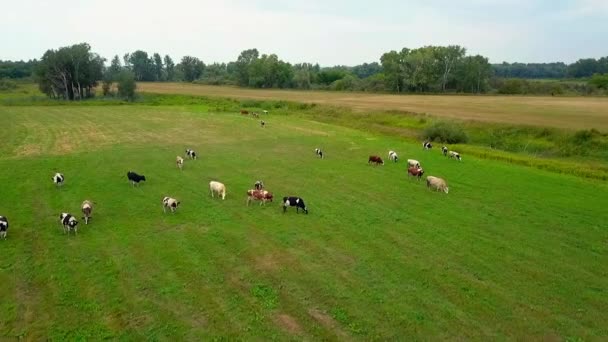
(325, 31)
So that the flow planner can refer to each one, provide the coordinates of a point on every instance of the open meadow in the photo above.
(540, 111)
(511, 253)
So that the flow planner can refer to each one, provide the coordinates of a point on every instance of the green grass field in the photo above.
(511, 253)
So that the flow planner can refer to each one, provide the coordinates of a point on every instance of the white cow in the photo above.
(217, 187)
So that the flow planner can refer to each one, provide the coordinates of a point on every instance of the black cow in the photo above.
(3, 227)
(69, 223)
(427, 145)
(135, 178)
(294, 202)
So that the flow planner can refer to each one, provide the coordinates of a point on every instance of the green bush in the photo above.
(6, 84)
(446, 133)
(126, 85)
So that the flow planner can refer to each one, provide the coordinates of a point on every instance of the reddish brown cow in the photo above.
(415, 172)
(259, 195)
(244, 112)
(375, 159)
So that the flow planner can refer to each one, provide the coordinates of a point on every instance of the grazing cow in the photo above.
(297, 202)
(376, 160)
(427, 145)
(255, 115)
(263, 123)
(191, 154)
(69, 223)
(180, 162)
(415, 172)
(444, 150)
(265, 111)
(455, 155)
(170, 203)
(413, 162)
(319, 153)
(217, 187)
(259, 185)
(58, 179)
(3, 227)
(392, 155)
(87, 209)
(135, 178)
(244, 112)
(437, 183)
(259, 195)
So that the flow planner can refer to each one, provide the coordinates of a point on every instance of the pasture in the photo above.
(511, 253)
(539, 111)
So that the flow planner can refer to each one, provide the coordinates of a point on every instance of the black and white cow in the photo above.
(3, 227)
(262, 123)
(319, 152)
(297, 202)
(427, 145)
(444, 149)
(58, 179)
(455, 155)
(259, 185)
(170, 203)
(135, 178)
(190, 153)
(69, 223)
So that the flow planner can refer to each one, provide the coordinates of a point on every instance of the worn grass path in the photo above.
(510, 253)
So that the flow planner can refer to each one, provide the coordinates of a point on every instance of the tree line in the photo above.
(583, 68)
(73, 72)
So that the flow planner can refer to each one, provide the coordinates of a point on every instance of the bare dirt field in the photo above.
(560, 112)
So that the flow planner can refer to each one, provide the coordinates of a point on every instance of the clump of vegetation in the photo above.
(6, 84)
(126, 85)
(600, 81)
(445, 132)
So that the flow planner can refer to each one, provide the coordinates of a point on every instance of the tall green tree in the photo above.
(393, 68)
(114, 69)
(243, 64)
(169, 68)
(69, 72)
(473, 73)
(142, 66)
(192, 68)
(269, 71)
(448, 57)
(158, 67)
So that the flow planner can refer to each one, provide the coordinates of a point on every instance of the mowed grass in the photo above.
(511, 253)
(540, 111)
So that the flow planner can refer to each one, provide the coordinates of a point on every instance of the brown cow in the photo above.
(375, 159)
(415, 172)
(259, 195)
(244, 112)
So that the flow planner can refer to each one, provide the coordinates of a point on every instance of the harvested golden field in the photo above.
(559, 112)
